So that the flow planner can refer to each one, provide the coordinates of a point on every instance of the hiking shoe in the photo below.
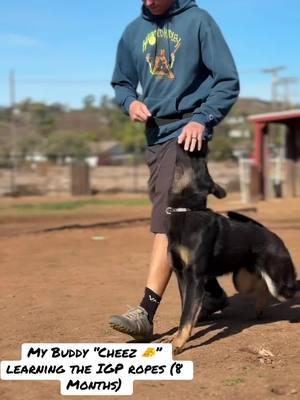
(135, 323)
(212, 304)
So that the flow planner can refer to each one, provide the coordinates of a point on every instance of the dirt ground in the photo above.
(62, 286)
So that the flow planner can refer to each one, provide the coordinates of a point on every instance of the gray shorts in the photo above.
(161, 160)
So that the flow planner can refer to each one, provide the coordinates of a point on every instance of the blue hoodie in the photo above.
(182, 63)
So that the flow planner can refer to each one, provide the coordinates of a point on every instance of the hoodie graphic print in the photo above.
(162, 62)
(182, 64)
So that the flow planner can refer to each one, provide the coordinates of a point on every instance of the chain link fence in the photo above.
(45, 178)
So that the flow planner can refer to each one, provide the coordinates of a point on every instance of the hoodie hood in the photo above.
(176, 8)
(183, 66)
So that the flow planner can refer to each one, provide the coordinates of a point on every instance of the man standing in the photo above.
(189, 82)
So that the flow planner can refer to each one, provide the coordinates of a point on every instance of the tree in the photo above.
(89, 102)
(39, 114)
(132, 136)
(57, 108)
(5, 143)
(220, 148)
(106, 102)
(66, 143)
(29, 144)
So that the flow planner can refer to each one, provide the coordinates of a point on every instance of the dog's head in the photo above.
(280, 277)
(193, 183)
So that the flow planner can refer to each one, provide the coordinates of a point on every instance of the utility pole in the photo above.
(273, 130)
(13, 131)
(286, 82)
(274, 72)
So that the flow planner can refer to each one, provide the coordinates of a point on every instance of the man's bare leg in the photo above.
(138, 321)
(160, 269)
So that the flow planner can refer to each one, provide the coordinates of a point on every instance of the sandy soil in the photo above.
(62, 287)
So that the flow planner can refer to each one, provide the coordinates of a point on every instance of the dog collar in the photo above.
(171, 210)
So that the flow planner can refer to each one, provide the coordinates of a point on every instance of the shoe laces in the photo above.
(133, 312)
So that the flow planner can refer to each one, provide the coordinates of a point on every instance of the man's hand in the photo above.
(138, 111)
(192, 135)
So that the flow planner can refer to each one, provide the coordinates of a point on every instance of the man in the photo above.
(189, 82)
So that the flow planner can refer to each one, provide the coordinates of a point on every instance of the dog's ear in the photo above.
(218, 191)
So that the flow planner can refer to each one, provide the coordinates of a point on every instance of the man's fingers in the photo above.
(199, 143)
(142, 115)
(191, 141)
(194, 142)
(181, 137)
(136, 118)
(191, 135)
(187, 142)
(145, 110)
(138, 111)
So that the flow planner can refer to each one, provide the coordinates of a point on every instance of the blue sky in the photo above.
(76, 40)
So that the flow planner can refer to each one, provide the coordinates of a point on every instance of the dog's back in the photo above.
(272, 258)
(236, 243)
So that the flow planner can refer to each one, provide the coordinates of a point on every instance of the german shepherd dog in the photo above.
(204, 244)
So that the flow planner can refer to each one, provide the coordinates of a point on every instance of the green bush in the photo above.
(220, 148)
(65, 143)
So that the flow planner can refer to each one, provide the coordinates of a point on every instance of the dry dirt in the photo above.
(62, 287)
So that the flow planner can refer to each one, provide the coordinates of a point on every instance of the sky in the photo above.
(64, 50)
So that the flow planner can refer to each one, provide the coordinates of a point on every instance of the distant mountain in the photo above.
(246, 106)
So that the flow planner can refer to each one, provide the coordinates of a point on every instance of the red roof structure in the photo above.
(279, 116)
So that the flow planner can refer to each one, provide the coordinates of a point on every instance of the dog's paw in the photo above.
(177, 350)
(167, 338)
(177, 340)
(178, 345)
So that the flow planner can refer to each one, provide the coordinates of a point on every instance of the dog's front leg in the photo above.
(179, 276)
(193, 289)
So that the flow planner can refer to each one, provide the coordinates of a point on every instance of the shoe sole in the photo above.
(123, 329)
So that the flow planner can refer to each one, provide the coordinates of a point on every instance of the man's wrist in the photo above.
(208, 121)
(127, 103)
(199, 124)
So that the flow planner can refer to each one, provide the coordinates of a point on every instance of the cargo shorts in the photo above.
(162, 160)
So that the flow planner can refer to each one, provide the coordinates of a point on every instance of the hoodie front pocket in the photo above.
(160, 107)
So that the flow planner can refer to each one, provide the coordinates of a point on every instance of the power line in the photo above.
(61, 81)
(250, 71)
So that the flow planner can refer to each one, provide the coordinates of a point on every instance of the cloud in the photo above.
(16, 40)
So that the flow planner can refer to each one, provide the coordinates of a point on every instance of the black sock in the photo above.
(150, 303)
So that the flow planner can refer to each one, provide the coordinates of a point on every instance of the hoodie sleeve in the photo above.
(224, 91)
(125, 79)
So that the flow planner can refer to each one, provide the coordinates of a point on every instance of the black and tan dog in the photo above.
(204, 244)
